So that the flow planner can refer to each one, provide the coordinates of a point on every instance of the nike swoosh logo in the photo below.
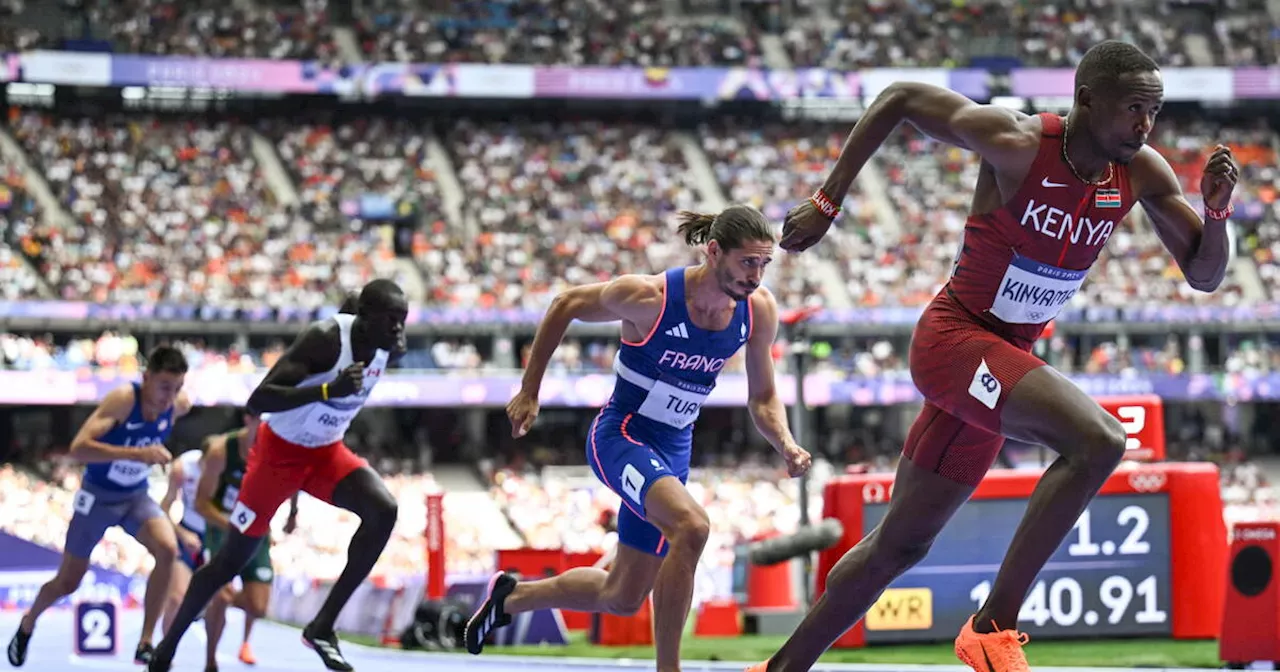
(987, 656)
(133, 425)
(1046, 183)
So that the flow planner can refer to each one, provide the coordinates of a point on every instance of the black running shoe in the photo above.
(144, 654)
(326, 646)
(159, 664)
(489, 616)
(18, 647)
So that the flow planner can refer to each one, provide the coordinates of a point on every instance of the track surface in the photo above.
(279, 649)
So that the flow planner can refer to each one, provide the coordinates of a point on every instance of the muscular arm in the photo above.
(314, 350)
(176, 474)
(213, 462)
(1199, 246)
(113, 410)
(630, 298)
(998, 134)
(767, 411)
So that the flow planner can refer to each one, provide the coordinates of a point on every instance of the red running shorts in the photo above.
(965, 373)
(277, 469)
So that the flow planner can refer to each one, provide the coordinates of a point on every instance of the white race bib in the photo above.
(83, 502)
(1034, 293)
(229, 497)
(674, 402)
(128, 472)
(325, 424)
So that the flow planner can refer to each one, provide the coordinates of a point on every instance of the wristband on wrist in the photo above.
(1224, 213)
(324, 391)
(824, 204)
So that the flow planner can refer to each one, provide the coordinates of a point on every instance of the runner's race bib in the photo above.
(1034, 293)
(325, 424)
(128, 472)
(674, 402)
(229, 497)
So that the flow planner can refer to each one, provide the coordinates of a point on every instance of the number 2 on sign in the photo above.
(96, 624)
(1134, 420)
(1133, 543)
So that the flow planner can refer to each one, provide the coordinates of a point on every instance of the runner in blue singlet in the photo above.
(678, 330)
(119, 444)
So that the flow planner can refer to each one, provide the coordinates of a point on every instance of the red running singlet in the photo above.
(1016, 269)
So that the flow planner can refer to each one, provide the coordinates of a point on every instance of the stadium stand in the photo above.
(177, 210)
(594, 32)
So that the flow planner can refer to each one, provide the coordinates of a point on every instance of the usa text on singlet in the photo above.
(324, 422)
(135, 432)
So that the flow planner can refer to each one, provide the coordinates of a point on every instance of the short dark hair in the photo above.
(1102, 66)
(378, 295)
(732, 228)
(166, 359)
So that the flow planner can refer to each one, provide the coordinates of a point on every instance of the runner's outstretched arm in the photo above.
(767, 411)
(627, 297)
(630, 298)
(942, 114)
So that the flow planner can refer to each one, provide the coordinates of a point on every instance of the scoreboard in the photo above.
(1133, 565)
(1110, 578)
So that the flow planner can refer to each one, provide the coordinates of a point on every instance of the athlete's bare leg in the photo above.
(363, 493)
(178, 584)
(253, 602)
(64, 582)
(686, 525)
(922, 504)
(215, 621)
(229, 561)
(1047, 408)
(158, 537)
(622, 590)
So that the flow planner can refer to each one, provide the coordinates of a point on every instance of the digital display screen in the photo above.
(1110, 577)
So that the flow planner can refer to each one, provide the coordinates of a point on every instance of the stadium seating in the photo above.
(18, 212)
(594, 32)
(177, 210)
(562, 204)
(935, 33)
(946, 34)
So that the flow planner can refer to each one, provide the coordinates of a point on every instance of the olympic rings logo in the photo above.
(876, 493)
(1147, 481)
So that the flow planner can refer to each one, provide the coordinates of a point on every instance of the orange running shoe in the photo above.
(999, 651)
(761, 667)
(246, 655)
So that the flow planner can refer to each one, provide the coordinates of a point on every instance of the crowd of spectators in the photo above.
(18, 279)
(561, 204)
(903, 33)
(177, 210)
(551, 32)
(168, 209)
